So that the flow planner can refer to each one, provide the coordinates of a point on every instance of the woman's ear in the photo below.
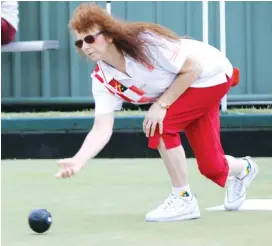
(109, 39)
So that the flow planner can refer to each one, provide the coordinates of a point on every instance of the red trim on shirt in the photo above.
(96, 68)
(137, 90)
(145, 100)
(124, 97)
(110, 91)
(99, 78)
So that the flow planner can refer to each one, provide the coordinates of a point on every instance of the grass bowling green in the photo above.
(106, 203)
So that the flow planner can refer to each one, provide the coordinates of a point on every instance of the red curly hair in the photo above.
(125, 35)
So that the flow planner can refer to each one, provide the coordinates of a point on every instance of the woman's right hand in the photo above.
(94, 142)
(69, 167)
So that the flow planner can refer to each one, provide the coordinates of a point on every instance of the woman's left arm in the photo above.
(189, 72)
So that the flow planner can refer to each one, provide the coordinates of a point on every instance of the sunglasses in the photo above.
(88, 39)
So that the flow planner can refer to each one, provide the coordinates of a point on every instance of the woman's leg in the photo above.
(204, 138)
(180, 204)
(203, 134)
(176, 164)
(236, 166)
(190, 108)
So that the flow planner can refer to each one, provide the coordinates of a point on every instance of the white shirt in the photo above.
(151, 82)
(10, 12)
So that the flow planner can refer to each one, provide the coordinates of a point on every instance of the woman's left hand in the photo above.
(154, 117)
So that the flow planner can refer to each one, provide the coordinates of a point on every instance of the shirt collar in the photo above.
(107, 71)
(110, 72)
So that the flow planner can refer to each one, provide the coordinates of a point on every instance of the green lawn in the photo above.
(106, 203)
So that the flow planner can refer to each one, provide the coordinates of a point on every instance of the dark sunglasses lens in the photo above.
(79, 44)
(89, 39)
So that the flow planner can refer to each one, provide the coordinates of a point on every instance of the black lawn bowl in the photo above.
(39, 220)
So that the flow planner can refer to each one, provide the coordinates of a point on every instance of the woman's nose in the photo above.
(85, 45)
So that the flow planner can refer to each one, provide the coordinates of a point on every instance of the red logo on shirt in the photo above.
(176, 51)
(118, 86)
(149, 66)
(115, 87)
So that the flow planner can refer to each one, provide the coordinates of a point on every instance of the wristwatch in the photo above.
(163, 104)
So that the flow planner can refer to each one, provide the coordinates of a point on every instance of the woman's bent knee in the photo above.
(215, 169)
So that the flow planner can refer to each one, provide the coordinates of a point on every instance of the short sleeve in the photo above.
(167, 54)
(105, 102)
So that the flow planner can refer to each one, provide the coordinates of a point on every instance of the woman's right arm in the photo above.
(105, 105)
(97, 138)
(94, 142)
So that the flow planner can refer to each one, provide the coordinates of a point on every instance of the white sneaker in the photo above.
(236, 190)
(175, 208)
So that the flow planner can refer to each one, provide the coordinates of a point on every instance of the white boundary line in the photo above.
(249, 205)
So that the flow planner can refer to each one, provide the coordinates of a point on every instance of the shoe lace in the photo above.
(172, 199)
(169, 201)
(238, 186)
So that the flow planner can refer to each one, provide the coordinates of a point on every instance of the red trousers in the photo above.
(197, 113)
(7, 32)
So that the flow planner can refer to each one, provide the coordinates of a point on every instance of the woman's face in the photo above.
(93, 44)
